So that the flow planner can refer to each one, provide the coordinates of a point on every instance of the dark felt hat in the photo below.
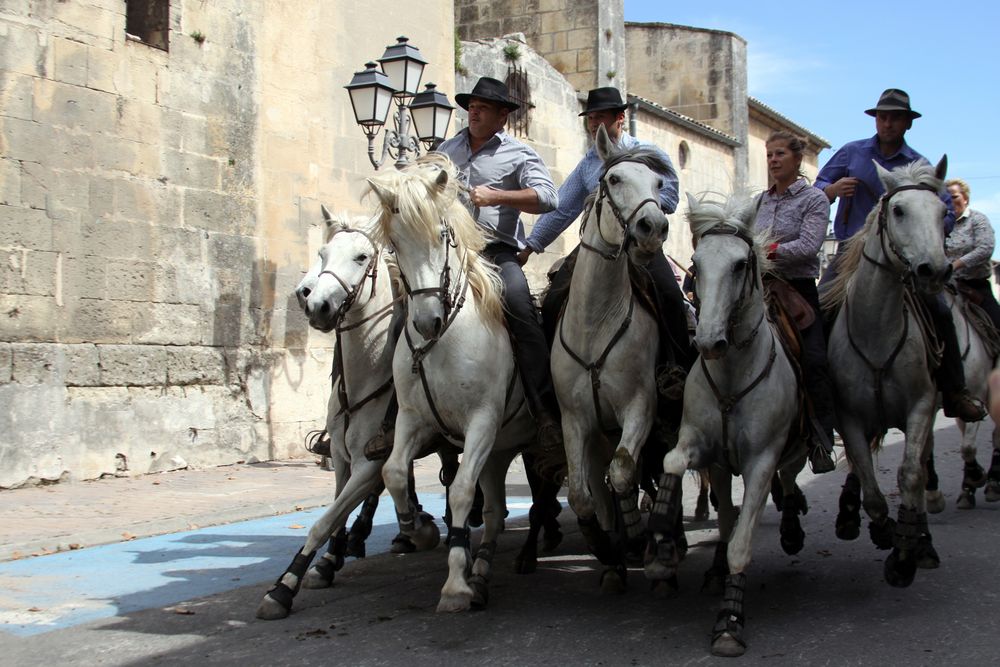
(490, 90)
(893, 99)
(604, 99)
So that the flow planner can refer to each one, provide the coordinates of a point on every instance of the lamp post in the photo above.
(372, 91)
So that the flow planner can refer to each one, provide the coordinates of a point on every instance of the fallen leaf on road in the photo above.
(34, 609)
(74, 546)
(128, 536)
(182, 611)
(296, 526)
(824, 552)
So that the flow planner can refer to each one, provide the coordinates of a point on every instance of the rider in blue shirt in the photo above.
(606, 107)
(850, 175)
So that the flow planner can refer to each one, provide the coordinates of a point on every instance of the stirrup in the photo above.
(670, 382)
(318, 442)
(380, 445)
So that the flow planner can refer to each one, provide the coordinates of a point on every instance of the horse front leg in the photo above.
(456, 594)
(862, 479)
(973, 474)
(912, 538)
(491, 480)
(665, 527)
(714, 582)
(727, 634)
(411, 434)
(793, 504)
(993, 476)
(543, 515)
(636, 422)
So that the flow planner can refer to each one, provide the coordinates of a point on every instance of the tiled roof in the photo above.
(681, 119)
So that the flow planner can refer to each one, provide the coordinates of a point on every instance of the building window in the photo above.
(517, 86)
(683, 155)
(148, 21)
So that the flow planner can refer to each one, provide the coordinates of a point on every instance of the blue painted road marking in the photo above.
(62, 590)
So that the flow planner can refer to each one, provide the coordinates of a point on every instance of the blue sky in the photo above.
(823, 64)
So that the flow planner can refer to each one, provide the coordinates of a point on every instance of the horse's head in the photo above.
(910, 222)
(336, 279)
(435, 240)
(628, 199)
(728, 264)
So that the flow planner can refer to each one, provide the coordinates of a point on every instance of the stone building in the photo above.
(162, 163)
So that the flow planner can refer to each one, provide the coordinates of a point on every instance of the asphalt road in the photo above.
(827, 605)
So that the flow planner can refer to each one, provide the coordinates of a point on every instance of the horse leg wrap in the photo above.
(994, 473)
(333, 560)
(458, 537)
(667, 506)
(907, 529)
(628, 505)
(405, 521)
(730, 617)
(598, 541)
(282, 593)
(973, 476)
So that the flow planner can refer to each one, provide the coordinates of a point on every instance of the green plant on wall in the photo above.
(611, 74)
(198, 36)
(512, 53)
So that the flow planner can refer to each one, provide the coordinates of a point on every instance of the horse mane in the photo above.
(738, 212)
(834, 294)
(422, 204)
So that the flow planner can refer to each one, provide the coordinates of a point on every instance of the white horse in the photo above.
(604, 352)
(348, 290)
(977, 361)
(879, 358)
(741, 407)
(454, 372)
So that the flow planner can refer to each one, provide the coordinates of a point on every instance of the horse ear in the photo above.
(327, 216)
(603, 142)
(693, 205)
(384, 195)
(941, 170)
(442, 180)
(885, 176)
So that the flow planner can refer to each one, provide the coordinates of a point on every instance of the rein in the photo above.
(728, 402)
(910, 305)
(371, 271)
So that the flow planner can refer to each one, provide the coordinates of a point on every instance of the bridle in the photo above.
(371, 271)
(885, 237)
(604, 195)
(747, 288)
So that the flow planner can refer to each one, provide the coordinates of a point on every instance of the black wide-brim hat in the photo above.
(893, 99)
(490, 90)
(604, 99)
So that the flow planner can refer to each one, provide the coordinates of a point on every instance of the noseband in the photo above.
(746, 289)
(604, 194)
(451, 300)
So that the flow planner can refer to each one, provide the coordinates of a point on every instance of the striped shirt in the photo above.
(797, 220)
(503, 163)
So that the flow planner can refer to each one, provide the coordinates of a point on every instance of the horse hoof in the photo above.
(848, 528)
(792, 540)
(480, 593)
(992, 491)
(926, 555)
(314, 580)
(899, 572)
(525, 565)
(622, 471)
(551, 540)
(966, 499)
(613, 580)
(428, 536)
(881, 534)
(665, 588)
(728, 646)
(270, 609)
(454, 603)
(935, 502)
(974, 476)
(402, 544)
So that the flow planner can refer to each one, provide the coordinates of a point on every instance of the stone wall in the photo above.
(583, 39)
(156, 209)
(697, 72)
(556, 131)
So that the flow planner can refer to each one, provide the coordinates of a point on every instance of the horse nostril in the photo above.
(644, 228)
(720, 346)
(925, 271)
(325, 308)
(438, 324)
(305, 292)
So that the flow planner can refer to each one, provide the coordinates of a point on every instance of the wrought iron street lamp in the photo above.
(371, 92)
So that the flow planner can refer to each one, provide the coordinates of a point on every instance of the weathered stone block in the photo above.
(24, 139)
(180, 246)
(16, 92)
(195, 365)
(6, 355)
(168, 324)
(70, 61)
(115, 239)
(182, 283)
(146, 202)
(74, 106)
(25, 228)
(581, 39)
(26, 317)
(88, 22)
(141, 121)
(10, 182)
(190, 170)
(28, 272)
(135, 158)
(100, 321)
(130, 365)
(55, 364)
(219, 212)
(23, 49)
(129, 280)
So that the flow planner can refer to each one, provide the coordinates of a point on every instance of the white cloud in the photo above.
(771, 72)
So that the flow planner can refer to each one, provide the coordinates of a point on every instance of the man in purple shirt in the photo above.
(850, 175)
